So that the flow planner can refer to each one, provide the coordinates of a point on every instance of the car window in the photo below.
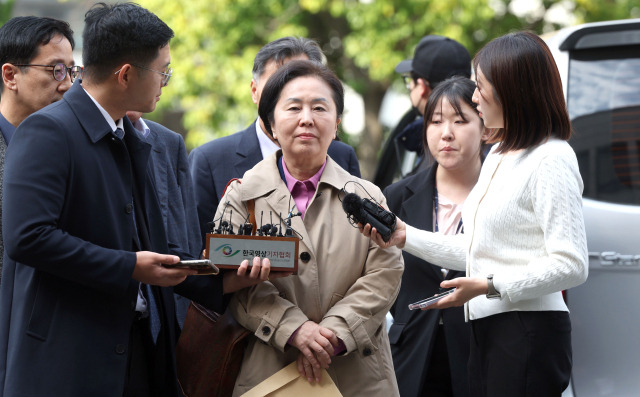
(603, 96)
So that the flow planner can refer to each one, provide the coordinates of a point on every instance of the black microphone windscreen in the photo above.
(351, 203)
(366, 211)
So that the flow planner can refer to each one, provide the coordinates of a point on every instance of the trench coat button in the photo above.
(305, 257)
(366, 352)
(266, 330)
(120, 348)
(128, 208)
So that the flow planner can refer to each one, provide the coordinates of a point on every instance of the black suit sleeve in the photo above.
(354, 165)
(345, 156)
(205, 189)
(39, 168)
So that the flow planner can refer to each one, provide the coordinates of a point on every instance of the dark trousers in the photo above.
(524, 354)
(437, 381)
(138, 381)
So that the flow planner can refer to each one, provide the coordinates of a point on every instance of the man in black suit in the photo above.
(215, 163)
(26, 44)
(173, 183)
(175, 192)
(84, 236)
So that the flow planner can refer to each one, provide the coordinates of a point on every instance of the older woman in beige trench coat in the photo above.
(345, 283)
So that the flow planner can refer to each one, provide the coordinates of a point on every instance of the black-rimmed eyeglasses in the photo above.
(166, 75)
(59, 70)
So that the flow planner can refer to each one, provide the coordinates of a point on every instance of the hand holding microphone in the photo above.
(397, 238)
(365, 211)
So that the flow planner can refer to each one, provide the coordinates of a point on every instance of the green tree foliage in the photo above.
(216, 41)
(605, 10)
(6, 7)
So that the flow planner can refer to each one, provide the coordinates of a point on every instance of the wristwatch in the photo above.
(492, 293)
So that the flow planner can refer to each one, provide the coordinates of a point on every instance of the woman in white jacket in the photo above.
(524, 238)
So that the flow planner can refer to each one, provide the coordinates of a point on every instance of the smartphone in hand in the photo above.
(430, 301)
(203, 266)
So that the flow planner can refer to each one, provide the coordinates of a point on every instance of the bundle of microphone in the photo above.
(249, 229)
(365, 211)
(278, 241)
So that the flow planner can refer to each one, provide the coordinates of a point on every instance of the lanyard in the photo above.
(459, 229)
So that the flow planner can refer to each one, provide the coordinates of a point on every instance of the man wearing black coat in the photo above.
(27, 43)
(84, 236)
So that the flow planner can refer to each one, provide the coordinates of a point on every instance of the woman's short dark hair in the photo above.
(527, 85)
(291, 70)
(456, 90)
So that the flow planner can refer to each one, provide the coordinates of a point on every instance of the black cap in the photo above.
(437, 58)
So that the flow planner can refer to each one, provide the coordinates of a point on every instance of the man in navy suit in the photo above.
(32, 41)
(175, 192)
(84, 236)
(215, 163)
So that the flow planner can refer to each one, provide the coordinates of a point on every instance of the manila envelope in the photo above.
(288, 383)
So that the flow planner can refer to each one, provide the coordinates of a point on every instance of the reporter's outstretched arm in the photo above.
(397, 239)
